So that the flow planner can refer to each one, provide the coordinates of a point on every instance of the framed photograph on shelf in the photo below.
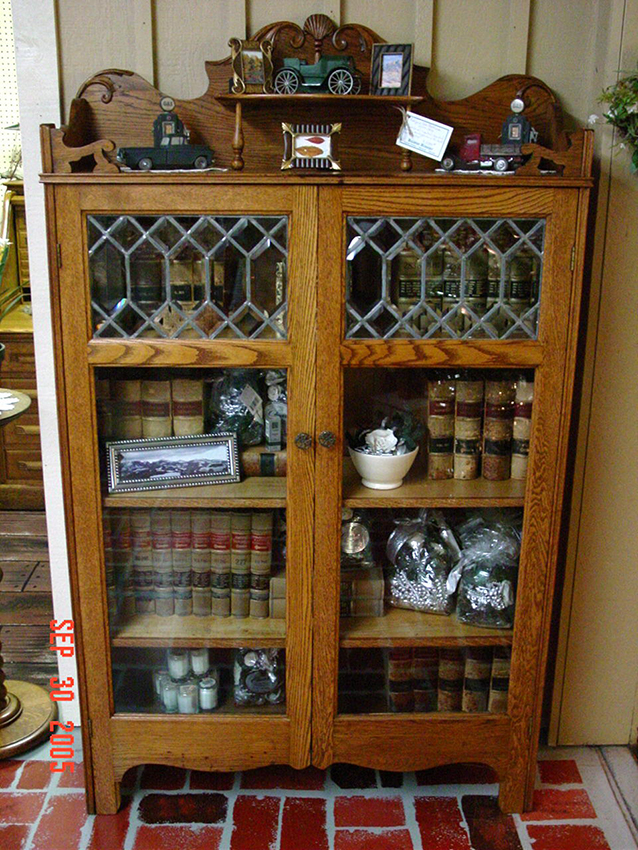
(311, 146)
(391, 72)
(158, 463)
(252, 66)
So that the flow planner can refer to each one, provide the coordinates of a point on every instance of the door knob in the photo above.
(327, 439)
(303, 440)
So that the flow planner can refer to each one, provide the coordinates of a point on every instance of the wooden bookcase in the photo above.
(316, 351)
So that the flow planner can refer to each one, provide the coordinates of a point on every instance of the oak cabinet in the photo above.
(298, 275)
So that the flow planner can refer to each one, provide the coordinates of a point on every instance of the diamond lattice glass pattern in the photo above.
(441, 277)
(188, 277)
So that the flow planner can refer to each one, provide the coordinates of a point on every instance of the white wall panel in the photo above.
(394, 22)
(262, 12)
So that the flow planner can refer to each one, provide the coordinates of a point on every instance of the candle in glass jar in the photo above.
(208, 693)
(199, 661)
(169, 695)
(178, 664)
(158, 680)
(187, 699)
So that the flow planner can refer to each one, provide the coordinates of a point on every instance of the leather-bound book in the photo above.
(156, 409)
(188, 406)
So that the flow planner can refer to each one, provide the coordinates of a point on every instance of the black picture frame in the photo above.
(163, 462)
(391, 71)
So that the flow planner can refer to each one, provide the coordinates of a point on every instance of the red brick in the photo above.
(303, 824)
(174, 837)
(35, 776)
(282, 776)
(20, 808)
(361, 839)
(554, 804)
(440, 824)
(162, 777)
(183, 808)
(14, 837)
(73, 780)
(8, 770)
(567, 838)
(489, 828)
(369, 811)
(457, 774)
(109, 831)
(256, 820)
(204, 780)
(559, 772)
(61, 823)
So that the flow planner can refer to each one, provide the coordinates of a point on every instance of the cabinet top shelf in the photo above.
(318, 98)
(252, 492)
(148, 630)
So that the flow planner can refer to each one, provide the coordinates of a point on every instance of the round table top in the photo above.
(13, 403)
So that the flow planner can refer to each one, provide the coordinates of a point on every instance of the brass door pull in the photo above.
(303, 440)
(327, 439)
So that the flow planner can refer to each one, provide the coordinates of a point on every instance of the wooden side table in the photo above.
(25, 709)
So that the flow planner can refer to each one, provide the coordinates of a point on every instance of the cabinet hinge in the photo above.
(58, 254)
(573, 260)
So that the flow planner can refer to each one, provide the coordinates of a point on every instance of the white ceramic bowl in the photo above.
(382, 472)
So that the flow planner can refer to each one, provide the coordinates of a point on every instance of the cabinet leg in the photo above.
(512, 796)
(406, 160)
(107, 798)
(238, 140)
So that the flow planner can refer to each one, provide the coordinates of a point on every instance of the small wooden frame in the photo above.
(252, 66)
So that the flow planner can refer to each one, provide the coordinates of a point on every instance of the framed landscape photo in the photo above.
(158, 463)
(391, 72)
(252, 66)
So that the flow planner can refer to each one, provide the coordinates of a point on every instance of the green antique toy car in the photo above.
(335, 74)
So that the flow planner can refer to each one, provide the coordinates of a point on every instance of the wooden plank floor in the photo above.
(25, 597)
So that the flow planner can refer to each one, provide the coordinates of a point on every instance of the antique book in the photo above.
(240, 557)
(425, 678)
(182, 553)
(161, 541)
(522, 426)
(120, 521)
(263, 462)
(441, 392)
(220, 559)
(497, 428)
(156, 409)
(126, 406)
(143, 578)
(500, 680)
(476, 682)
(188, 406)
(450, 682)
(467, 426)
(399, 679)
(201, 561)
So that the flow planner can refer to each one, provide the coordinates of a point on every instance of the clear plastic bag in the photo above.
(236, 405)
(258, 677)
(487, 571)
(422, 552)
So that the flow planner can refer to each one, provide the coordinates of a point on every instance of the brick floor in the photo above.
(279, 808)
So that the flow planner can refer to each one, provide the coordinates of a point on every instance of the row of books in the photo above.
(203, 562)
(473, 679)
(479, 424)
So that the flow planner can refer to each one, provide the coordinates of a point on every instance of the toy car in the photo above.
(172, 148)
(335, 74)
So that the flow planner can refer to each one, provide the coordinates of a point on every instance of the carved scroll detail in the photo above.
(63, 156)
(102, 79)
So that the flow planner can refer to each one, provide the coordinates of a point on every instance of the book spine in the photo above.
(497, 428)
(156, 409)
(476, 682)
(161, 539)
(467, 428)
(441, 392)
(500, 680)
(220, 558)
(522, 427)
(399, 678)
(200, 521)
(127, 409)
(181, 544)
(261, 461)
(260, 562)
(425, 676)
(450, 683)
(240, 557)
(143, 578)
(104, 407)
(188, 406)
(123, 560)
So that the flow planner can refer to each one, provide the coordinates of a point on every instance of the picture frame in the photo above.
(158, 463)
(251, 62)
(311, 146)
(391, 70)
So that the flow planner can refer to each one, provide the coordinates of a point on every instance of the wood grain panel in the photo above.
(414, 742)
(480, 200)
(251, 492)
(175, 352)
(439, 353)
(400, 627)
(144, 630)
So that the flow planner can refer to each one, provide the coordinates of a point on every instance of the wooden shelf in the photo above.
(317, 98)
(419, 491)
(400, 627)
(227, 707)
(250, 493)
(149, 630)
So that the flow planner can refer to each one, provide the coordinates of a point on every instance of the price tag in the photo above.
(423, 135)
(253, 402)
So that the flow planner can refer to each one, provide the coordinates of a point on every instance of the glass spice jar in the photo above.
(208, 693)
(199, 661)
(169, 695)
(178, 664)
(187, 699)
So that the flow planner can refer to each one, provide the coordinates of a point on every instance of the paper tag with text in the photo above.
(423, 135)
